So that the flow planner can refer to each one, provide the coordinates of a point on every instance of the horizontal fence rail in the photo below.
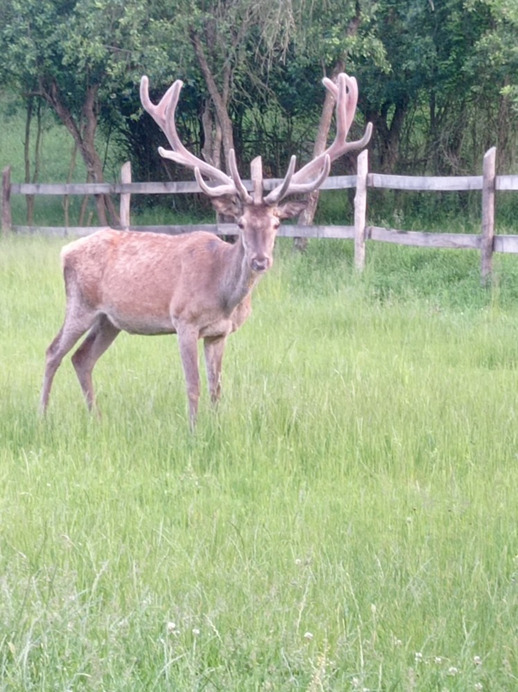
(486, 242)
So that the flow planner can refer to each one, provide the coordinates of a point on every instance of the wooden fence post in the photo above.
(360, 210)
(488, 214)
(6, 201)
(125, 198)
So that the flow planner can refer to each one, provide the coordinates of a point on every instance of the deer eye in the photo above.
(241, 224)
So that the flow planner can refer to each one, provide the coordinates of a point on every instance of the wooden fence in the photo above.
(487, 242)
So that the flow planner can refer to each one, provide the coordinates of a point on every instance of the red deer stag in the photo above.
(195, 285)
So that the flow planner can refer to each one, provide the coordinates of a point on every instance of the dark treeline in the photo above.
(438, 79)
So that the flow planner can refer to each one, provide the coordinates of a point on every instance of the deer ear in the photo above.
(227, 206)
(290, 209)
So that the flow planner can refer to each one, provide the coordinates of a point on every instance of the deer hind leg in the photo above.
(100, 337)
(188, 343)
(76, 323)
(214, 348)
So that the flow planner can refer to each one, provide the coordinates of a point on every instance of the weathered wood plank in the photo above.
(455, 241)
(289, 230)
(173, 188)
(506, 243)
(62, 188)
(374, 180)
(292, 231)
(388, 235)
(60, 231)
(506, 182)
(286, 230)
(339, 182)
(424, 183)
(217, 229)
(73, 231)
(104, 188)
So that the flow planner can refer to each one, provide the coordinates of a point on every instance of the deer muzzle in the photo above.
(260, 263)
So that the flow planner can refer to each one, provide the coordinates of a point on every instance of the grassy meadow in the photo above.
(346, 520)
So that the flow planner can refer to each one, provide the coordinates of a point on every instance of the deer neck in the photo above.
(238, 279)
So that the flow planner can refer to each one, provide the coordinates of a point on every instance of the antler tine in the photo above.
(346, 94)
(218, 190)
(312, 175)
(314, 184)
(280, 191)
(158, 112)
(236, 185)
(300, 188)
(164, 116)
(241, 189)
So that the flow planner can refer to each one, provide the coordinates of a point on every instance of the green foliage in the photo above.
(496, 53)
(438, 80)
(71, 43)
(345, 520)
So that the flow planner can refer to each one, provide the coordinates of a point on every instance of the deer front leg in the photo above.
(214, 347)
(188, 343)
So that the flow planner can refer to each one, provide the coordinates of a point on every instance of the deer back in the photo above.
(146, 282)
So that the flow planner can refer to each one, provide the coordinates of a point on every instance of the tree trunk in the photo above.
(505, 149)
(389, 133)
(220, 100)
(221, 134)
(306, 217)
(27, 159)
(207, 126)
(66, 198)
(103, 203)
(84, 137)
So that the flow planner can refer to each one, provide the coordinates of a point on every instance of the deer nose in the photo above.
(260, 263)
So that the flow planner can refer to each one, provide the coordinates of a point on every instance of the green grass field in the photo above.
(346, 520)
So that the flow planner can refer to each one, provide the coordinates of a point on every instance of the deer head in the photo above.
(258, 215)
